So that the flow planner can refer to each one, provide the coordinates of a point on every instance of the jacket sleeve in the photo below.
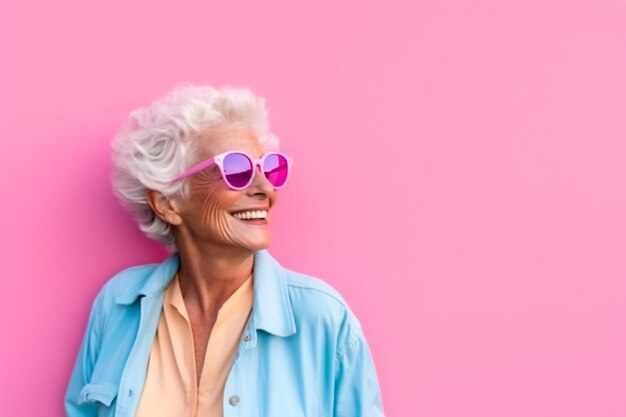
(357, 392)
(75, 406)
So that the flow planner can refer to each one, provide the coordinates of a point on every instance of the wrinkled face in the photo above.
(212, 212)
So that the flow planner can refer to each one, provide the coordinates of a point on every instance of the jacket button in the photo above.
(234, 400)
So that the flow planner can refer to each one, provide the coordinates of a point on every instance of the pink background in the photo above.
(471, 208)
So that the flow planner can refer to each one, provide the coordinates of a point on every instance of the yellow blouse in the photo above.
(171, 388)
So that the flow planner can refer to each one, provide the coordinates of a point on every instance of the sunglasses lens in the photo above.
(275, 169)
(237, 169)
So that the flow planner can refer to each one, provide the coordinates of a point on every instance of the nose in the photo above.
(260, 186)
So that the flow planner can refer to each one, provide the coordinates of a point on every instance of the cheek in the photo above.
(214, 209)
(209, 217)
(273, 197)
(211, 210)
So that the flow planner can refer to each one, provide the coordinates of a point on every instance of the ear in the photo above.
(167, 209)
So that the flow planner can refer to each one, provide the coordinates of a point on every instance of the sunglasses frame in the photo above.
(219, 161)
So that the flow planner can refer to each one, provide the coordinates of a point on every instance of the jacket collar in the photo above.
(271, 311)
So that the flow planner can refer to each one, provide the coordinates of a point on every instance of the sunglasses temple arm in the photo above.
(195, 169)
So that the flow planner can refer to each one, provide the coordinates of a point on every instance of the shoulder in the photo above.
(148, 280)
(315, 302)
(126, 282)
(119, 292)
(313, 287)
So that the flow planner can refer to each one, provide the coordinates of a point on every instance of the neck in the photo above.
(210, 274)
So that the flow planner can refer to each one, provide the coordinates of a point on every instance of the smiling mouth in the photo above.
(251, 216)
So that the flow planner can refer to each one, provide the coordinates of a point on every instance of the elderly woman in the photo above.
(220, 327)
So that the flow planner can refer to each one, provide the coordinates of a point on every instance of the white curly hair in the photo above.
(158, 142)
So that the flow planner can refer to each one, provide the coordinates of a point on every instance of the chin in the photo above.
(254, 243)
(258, 246)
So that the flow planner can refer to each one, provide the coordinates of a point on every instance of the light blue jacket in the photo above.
(302, 352)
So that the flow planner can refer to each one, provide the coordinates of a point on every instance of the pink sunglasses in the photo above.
(238, 168)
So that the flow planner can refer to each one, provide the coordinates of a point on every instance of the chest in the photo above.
(275, 376)
(280, 377)
(201, 328)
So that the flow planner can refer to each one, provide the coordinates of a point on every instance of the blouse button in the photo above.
(246, 337)
(234, 400)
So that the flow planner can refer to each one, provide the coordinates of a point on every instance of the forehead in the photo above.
(221, 139)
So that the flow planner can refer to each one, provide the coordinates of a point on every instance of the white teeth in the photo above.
(252, 214)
